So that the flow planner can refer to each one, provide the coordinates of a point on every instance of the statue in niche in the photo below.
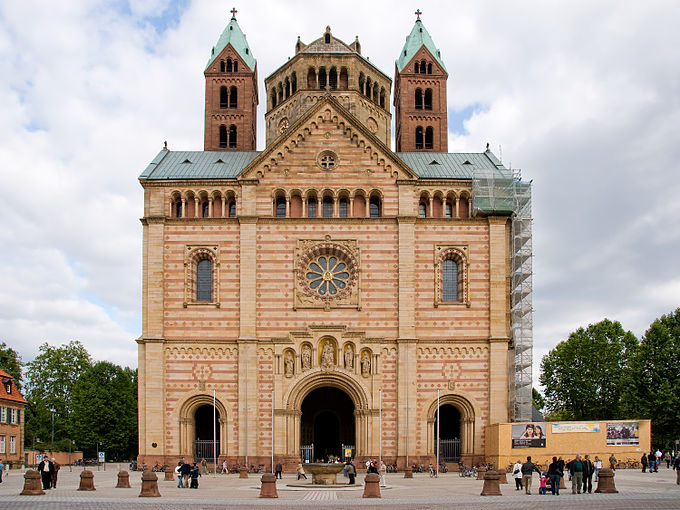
(349, 357)
(365, 364)
(306, 358)
(288, 364)
(327, 357)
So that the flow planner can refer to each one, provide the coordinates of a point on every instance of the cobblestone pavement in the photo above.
(636, 490)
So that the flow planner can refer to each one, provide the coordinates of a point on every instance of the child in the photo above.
(543, 482)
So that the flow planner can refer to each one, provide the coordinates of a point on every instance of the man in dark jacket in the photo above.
(588, 471)
(46, 469)
(185, 471)
(576, 469)
(527, 471)
(555, 474)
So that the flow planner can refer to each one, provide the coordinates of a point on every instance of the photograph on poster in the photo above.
(528, 435)
(623, 433)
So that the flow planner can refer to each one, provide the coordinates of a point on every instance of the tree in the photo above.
(10, 362)
(653, 390)
(584, 376)
(537, 399)
(49, 381)
(105, 410)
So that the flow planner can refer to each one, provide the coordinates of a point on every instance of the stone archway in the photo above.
(347, 385)
(452, 408)
(199, 407)
(327, 421)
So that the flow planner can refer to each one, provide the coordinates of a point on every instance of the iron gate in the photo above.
(307, 453)
(449, 450)
(203, 448)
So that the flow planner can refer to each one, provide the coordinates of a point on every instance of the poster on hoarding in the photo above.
(623, 433)
(528, 435)
(562, 428)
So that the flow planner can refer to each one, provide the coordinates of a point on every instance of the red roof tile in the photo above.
(15, 396)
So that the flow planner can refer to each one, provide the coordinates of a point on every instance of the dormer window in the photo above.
(8, 385)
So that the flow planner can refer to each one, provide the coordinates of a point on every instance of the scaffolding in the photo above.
(504, 193)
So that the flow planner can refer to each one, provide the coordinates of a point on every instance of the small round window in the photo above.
(327, 275)
(327, 160)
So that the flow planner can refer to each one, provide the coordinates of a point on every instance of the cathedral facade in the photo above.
(327, 296)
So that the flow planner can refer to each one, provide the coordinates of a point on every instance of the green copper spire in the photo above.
(418, 37)
(232, 35)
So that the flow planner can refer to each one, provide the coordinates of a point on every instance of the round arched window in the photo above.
(327, 275)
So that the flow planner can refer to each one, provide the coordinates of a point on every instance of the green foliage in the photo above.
(49, 382)
(584, 376)
(537, 399)
(105, 410)
(10, 362)
(653, 390)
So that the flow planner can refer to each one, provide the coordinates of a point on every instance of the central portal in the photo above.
(327, 422)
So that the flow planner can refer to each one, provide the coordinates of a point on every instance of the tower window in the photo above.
(342, 208)
(224, 97)
(222, 66)
(273, 98)
(322, 78)
(428, 99)
(311, 78)
(419, 99)
(429, 68)
(293, 83)
(232, 209)
(423, 68)
(419, 137)
(416, 67)
(327, 38)
(205, 209)
(229, 65)
(333, 78)
(327, 207)
(429, 137)
(280, 207)
(449, 280)
(204, 278)
(449, 210)
(232, 137)
(374, 207)
(311, 208)
(233, 97)
(223, 135)
(236, 64)
(422, 210)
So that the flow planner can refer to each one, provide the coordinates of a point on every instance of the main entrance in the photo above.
(327, 423)
(207, 424)
(449, 433)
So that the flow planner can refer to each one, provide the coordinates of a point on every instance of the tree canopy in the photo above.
(10, 362)
(585, 376)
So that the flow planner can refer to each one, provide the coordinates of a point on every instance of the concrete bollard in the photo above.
(408, 472)
(169, 476)
(268, 487)
(149, 485)
(32, 484)
(605, 482)
(86, 481)
(491, 487)
(480, 473)
(123, 480)
(243, 473)
(372, 486)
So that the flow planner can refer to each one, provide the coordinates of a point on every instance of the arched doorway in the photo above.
(206, 427)
(327, 423)
(447, 433)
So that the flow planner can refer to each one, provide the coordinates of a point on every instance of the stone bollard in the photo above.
(149, 485)
(491, 487)
(408, 472)
(168, 476)
(372, 486)
(123, 480)
(32, 484)
(268, 487)
(605, 482)
(243, 473)
(480, 473)
(86, 481)
(502, 477)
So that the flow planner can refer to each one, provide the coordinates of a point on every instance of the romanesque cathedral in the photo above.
(338, 293)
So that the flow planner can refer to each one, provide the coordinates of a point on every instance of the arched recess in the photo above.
(468, 426)
(187, 425)
(365, 424)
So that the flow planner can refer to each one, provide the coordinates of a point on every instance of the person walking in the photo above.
(351, 472)
(194, 474)
(555, 474)
(597, 465)
(2, 468)
(46, 468)
(301, 471)
(55, 472)
(517, 473)
(204, 467)
(576, 469)
(225, 469)
(676, 466)
(185, 471)
(278, 470)
(178, 472)
(588, 470)
(527, 471)
(643, 461)
(651, 461)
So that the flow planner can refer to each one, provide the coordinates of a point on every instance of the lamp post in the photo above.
(52, 411)
(70, 464)
(98, 445)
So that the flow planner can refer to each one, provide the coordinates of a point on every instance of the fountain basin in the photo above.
(324, 474)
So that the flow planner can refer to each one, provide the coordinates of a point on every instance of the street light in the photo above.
(98, 445)
(52, 411)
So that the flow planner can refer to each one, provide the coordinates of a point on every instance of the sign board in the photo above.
(38, 458)
(623, 433)
(528, 435)
(348, 453)
(562, 428)
(101, 457)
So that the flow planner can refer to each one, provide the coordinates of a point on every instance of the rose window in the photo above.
(327, 275)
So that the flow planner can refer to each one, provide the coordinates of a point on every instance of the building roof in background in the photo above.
(418, 38)
(14, 396)
(233, 35)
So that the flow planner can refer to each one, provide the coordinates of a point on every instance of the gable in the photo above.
(425, 54)
(327, 129)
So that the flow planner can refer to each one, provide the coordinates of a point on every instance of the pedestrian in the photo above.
(55, 472)
(45, 468)
(576, 468)
(651, 461)
(2, 468)
(542, 483)
(527, 471)
(185, 470)
(667, 458)
(383, 470)
(194, 474)
(658, 456)
(351, 472)
(301, 471)
(225, 470)
(278, 470)
(612, 462)
(643, 461)
(517, 473)
(597, 465)
(588, 471)
(178, 472)
(676, 466)
(555, 473)
(204, 466)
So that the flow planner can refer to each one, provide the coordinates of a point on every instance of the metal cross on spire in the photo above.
(233, 13)
(418, 13)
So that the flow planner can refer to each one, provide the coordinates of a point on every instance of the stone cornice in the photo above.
(190, 183)
(498, 339)
(152, 220)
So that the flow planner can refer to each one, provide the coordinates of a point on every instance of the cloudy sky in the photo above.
(582, 96)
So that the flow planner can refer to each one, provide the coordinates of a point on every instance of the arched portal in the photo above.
(196, 427)
(205, 425)
(447, 429)
(327, 422)
(457, 416)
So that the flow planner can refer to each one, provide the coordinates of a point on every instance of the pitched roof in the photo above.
(15, 396)
(197, 164)
(233, 35)
(454, 165)
(418, 38)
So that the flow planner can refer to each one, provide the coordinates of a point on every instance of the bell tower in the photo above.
(231, 93)
(420, 94)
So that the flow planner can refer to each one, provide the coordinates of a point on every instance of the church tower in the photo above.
(231, 93)
(420, 94)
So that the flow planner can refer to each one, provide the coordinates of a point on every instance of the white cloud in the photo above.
(581, 96)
